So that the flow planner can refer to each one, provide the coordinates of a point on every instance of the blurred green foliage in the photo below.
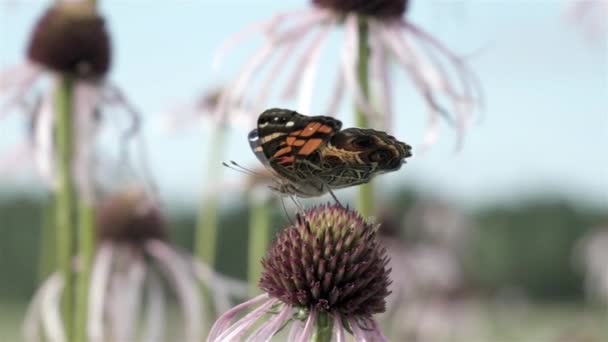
(526, 246)
(529, 246)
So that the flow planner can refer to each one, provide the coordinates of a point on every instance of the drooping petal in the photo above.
(222, 287)
(296, 329)
(126, 323)
(51, 309)
(87, 96)
(380, 72)
(308, 327)
(302, 76)
(233, 95)
(100, 273)
(43, 140)
(223, 322)
(239, 328)
(268, 25)
(339, 329)
(267, 330)
(401, 51)
(185, 285)
(155, 311)
(17, 81)
(31, 322)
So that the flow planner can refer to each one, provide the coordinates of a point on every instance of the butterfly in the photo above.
(311, 155)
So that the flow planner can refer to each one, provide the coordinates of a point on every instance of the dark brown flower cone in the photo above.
(71, 38)
(129, 217)
(384, 9)
(330, 261)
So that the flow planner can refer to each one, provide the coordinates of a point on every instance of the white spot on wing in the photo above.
(289, 124)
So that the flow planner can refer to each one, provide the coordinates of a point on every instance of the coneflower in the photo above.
(437, 73)
(324, 276)
(69, 41)
(134, 271)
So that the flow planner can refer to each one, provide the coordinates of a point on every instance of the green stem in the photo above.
(65, 199)
(47, 262)
(86, 250)
(323, 328)
(207, 223)
(365, 200)
(259, 231)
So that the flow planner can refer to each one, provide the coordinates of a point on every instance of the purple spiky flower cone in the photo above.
(329, 261)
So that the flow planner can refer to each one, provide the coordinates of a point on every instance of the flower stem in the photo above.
(259, 231)
(365, 200)
(323, 328)
(207, 222)
(65, 193)
(47, 262)
(86, 249)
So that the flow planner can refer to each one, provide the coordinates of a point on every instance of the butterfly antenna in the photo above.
(237, 167)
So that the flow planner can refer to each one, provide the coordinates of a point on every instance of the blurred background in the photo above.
(497, 232)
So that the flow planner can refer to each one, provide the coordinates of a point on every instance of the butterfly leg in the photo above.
(334, 197)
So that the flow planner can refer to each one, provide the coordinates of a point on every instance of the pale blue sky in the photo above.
(546, 86)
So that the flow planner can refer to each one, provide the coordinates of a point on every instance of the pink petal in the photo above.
(308, 327)
(266, 331)
(155, 311)
(51, 308)
(265, 25)
(100, 273)
(339, 329)
(223, 322)
(185, 286)
(239, 328)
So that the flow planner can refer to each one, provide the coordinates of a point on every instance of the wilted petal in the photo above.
(240, 327)
(185, 287)
(87, 97)
(224, 321)
(155, 315)
(268, 329)
(17, 81)
(268, 25)
(51, 308)
(308, 327)
(100, 273)
(222, 287)
(339, 329)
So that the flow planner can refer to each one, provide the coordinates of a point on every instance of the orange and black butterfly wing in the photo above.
(286, 137)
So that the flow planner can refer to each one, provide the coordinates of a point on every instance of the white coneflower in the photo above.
(70, 40)
(325, 276)
(134, 271)
(435, 71)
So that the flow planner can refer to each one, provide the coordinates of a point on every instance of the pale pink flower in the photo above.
(438, 74)
(69, 41)
(326, 271)
(135, 273)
